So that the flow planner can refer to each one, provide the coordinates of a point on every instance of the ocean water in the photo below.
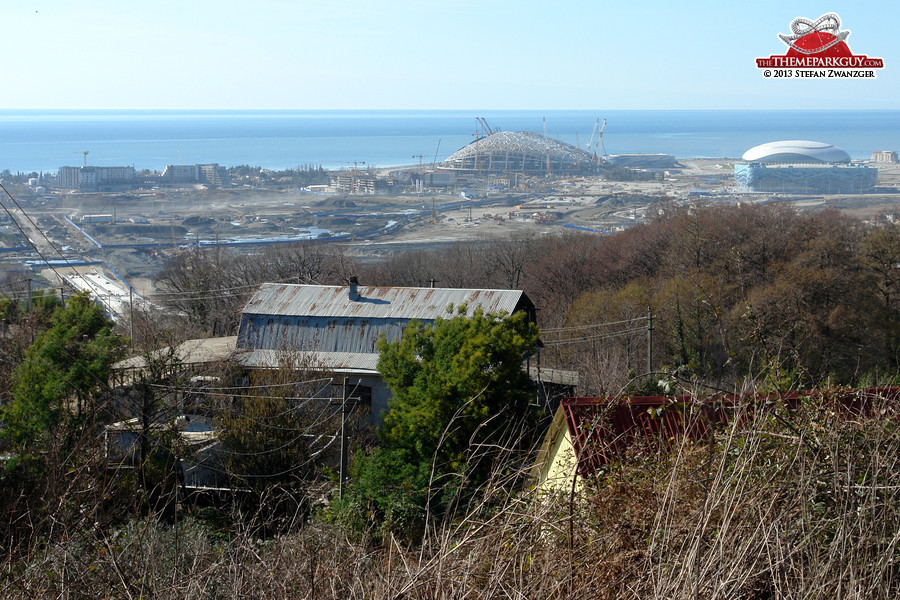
(44, 140)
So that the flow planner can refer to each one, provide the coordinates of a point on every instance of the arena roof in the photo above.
(796, 151)
(519, 151)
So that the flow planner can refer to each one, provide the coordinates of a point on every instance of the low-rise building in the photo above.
(588, 433)
(335, 330)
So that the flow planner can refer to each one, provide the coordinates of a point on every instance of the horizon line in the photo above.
(213, 109)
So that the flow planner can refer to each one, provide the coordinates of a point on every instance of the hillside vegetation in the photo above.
(796, 502)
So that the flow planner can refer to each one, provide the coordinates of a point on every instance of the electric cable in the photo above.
(594, 337)
(52, 245)
(589, 326)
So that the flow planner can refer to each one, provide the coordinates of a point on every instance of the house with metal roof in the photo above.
(332, 329)
(588, 433)
(336, 328)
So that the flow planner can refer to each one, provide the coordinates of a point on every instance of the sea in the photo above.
(44, 140)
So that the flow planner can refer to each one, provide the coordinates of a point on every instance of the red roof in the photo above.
(603, 428)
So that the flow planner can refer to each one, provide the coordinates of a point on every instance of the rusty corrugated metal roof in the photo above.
(602, 428)
(378, 302)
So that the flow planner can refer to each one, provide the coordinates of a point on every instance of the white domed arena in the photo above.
(796, 151)
(802, 167)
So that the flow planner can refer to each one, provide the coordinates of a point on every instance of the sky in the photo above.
(405, 54)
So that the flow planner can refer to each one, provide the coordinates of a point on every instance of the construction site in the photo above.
(501, 184)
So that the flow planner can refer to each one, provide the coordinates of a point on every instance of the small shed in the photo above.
(197, 469)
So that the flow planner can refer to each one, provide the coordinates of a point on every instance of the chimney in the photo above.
(354, 295)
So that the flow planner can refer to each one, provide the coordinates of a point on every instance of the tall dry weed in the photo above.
(788, 504)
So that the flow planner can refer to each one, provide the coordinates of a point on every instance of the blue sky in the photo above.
(404, 54)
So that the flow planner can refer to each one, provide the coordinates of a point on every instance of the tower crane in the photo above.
(84, 153)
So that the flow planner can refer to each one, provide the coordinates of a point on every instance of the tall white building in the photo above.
(884, 156)
(94, 179)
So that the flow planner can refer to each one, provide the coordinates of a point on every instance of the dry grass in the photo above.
(809, 509)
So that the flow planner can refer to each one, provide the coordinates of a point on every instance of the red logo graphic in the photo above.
(818, 49)
(822, 36)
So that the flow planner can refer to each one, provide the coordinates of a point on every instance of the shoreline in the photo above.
(43, 140)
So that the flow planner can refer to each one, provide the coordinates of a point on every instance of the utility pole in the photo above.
(343, 472)
(649, 341)
(348, 404)
(131, 304)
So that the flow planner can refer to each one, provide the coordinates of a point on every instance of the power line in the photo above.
(213, 296)
(312, 456)
(590, 326)
(288, 471)
(254, 387)
(52, 245)
(594, 337)
(290, 442)
(165, 295)
(305, 402)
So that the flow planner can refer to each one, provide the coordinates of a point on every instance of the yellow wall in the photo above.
(555, 465)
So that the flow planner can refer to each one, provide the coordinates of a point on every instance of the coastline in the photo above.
(44, 140)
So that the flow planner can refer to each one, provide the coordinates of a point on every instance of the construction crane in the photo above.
(600, 141)
(593, 146)
(488, 130)
(434, 162)
(84, 153)
(420, 158)
(590, 143)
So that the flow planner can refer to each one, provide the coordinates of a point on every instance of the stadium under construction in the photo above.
(521, 152)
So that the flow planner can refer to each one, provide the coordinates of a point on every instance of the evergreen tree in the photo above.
(461, 402)
(63, 371)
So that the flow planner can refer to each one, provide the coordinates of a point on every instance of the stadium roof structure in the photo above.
(796, 152)
(520, 152)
